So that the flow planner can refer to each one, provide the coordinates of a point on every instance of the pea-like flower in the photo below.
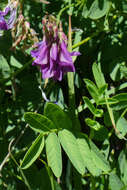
(51, 54)
(10, 12)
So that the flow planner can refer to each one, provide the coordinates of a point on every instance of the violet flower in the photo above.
(11, 10)
(51, 54)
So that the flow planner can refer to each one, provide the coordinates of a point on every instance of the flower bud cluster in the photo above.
(22, 34)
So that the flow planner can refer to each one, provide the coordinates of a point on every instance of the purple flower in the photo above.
(11, 10)
(51, 54)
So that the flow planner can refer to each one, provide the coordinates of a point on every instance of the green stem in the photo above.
(124, 112)
(49, 174)
(68, 177)
(112, 119)
(22, 173)
(85, 40)
(64, 9)
(70, 77)
(110, 113)
(93, 183)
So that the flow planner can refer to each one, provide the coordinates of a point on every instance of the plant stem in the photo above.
(69, 175)
(112, 119)
(65, 8)
(93, 183)
(22, 173)
(70, 77)
(49, 174)
(85, 40)
(124, 112)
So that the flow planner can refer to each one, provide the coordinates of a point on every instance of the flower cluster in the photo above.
(51, 54)
(11, 10)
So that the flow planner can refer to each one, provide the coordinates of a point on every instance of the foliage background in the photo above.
(103, 25)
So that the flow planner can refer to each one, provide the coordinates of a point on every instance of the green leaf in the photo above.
(119, 106)
(70, 146)
(123, 69)
(33, 152)
(93, 90)
(105, 148)
(95, 112)
(110, 101)
(98, 158)
(87, 156)
(115, 72)
(121, 125)
(98, 76)
(121, 101)
(99, 9)
(115, 182)
(57, 116)
(4, 68)
(93, 124)
(121, 97)
(15, 63)
(39, 122)
(102, 89)
(53, 152)
(77, 39)
(123, 166)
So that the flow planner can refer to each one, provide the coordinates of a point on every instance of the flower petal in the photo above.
(64, 54)
(67, 67)
(7, 9)
(75, 53)
(58, 74)
(3, 24)
(12, 18)
(46, 72)
(54, 51)
(41, 54)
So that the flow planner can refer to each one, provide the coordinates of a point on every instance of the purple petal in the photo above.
(41, 54)
(39, 46)
(12, 18)
(46, 72)
(6, 25)
(67, 67)
(3, 24)
(7, 9)
(75, 53)
(64, 54)
(34, 53)
(4, 13)
(51, 64)
(58, 74)
(54, 51)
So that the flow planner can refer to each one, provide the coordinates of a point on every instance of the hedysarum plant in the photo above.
(51, 54)
(11, 10)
